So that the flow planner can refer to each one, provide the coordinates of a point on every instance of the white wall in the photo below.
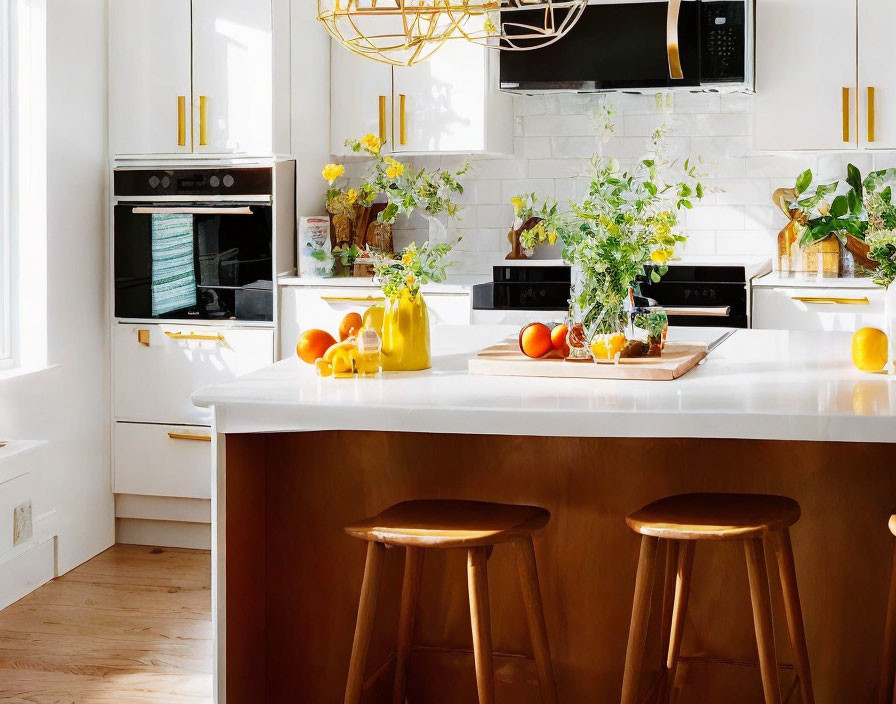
(67, 403)
(554, 135)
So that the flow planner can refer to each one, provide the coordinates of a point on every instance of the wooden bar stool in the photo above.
(682, 520)
(886, 693)
(477, 527)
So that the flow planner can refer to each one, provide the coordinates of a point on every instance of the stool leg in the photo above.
(672, 548)
(787, 570)
(679, 610)
(410, 589)
(480, 619)
(525, 560)
(370, 589)
(637, 634)
(762, 619)
(888, 665)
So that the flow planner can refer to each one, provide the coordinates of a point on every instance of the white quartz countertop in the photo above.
(758, 384)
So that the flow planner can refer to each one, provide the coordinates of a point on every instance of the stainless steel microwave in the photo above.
(641, 45)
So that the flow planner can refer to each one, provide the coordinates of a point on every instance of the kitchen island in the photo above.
(299, 457)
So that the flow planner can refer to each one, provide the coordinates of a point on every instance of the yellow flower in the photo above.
(409, 280)
(518, 203)
(489, 26)
(351, 196)
(371, 142)
(332, 171)
(552, 237)
(395, 168)
(407, 258)
(661, 256)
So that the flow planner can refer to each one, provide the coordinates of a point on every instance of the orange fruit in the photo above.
(870, 349)
(535, 340)
(350, 325)
(558, 338)
(313, 344)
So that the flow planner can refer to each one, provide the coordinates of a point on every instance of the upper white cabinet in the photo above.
(150, 93)
(448, 104)
(815, 63)
(197, 77)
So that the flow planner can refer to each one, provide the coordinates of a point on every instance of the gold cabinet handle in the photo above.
(402, 122)
(186, 436)
(353, 299)
(218, 337)
(382, 119)
(203, 120)
(672, 13)
(845, 99)
(181, 120)
(143, 337)
(870, 114)
(861, 301)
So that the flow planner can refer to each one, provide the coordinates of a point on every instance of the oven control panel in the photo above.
(193, 182)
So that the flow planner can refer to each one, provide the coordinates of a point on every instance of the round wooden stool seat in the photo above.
(715, 516)
(450, 524)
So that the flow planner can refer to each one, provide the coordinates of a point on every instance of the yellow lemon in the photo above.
(869, 349)
(373, 319)
(607, 346)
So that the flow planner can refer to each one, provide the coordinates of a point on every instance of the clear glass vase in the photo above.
(591, 314)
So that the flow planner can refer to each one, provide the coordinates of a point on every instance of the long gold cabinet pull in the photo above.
(353, 299)
(402, 121)
(674, 9)
(181, 120)
(186, 436)
(217, 337)
(203, 120)
(870, 114)
(845, 100)
(382, 110)
(861, 301)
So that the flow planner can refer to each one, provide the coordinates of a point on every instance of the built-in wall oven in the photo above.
(194, 243)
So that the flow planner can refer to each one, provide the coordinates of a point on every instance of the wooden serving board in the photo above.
(505, 359)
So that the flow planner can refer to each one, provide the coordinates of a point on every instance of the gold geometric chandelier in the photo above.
(407, 32)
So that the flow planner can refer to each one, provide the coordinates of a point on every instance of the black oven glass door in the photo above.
(198, 261)
(618, 45)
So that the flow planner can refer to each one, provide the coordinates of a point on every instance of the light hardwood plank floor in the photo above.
(131, 625)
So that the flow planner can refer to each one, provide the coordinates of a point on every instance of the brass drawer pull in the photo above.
(862, 301)
(353, 299)
(186, 436)
(845, 99)
(382, 107)
(181, 120)
(217, 337)
(870, 114)
(203, 121)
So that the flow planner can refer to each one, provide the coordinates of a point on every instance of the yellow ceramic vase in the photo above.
(406, 334)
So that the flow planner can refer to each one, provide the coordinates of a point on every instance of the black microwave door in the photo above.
(612, 46)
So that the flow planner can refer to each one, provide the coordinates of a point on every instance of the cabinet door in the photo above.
(360, 99)
(232, 77)
(817, 308)
(149, 76)
(806, 74)
(441, 105)
(877, 22)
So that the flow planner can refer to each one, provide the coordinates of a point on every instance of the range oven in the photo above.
(194, 243)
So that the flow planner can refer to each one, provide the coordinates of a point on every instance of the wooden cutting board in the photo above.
(505, 359)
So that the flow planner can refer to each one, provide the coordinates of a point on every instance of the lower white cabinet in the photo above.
(163, 460)
(306, 307)
(158, 366)
(822, 308)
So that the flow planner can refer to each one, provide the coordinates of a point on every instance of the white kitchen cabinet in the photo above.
(149, 76)
(155, 373)
(448, 104)
(815, 60)
(198, 76)
(817, 308)
(163, 460)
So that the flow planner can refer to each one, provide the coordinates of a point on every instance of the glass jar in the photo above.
(406, 333)
(649, 326)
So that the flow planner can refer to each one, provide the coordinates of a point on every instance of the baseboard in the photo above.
(26, 567)
(169, 534)
(163, 508)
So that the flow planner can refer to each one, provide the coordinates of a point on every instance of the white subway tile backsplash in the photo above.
(555, 135)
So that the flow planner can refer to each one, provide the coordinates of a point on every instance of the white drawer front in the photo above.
(817, 308)
(153, 382)
(304, 308)
(157, 460)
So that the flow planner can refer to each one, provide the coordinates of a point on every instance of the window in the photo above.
(6, 346)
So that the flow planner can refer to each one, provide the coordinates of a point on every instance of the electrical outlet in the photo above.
(23, 528)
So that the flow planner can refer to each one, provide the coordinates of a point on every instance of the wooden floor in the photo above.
(131, 625)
